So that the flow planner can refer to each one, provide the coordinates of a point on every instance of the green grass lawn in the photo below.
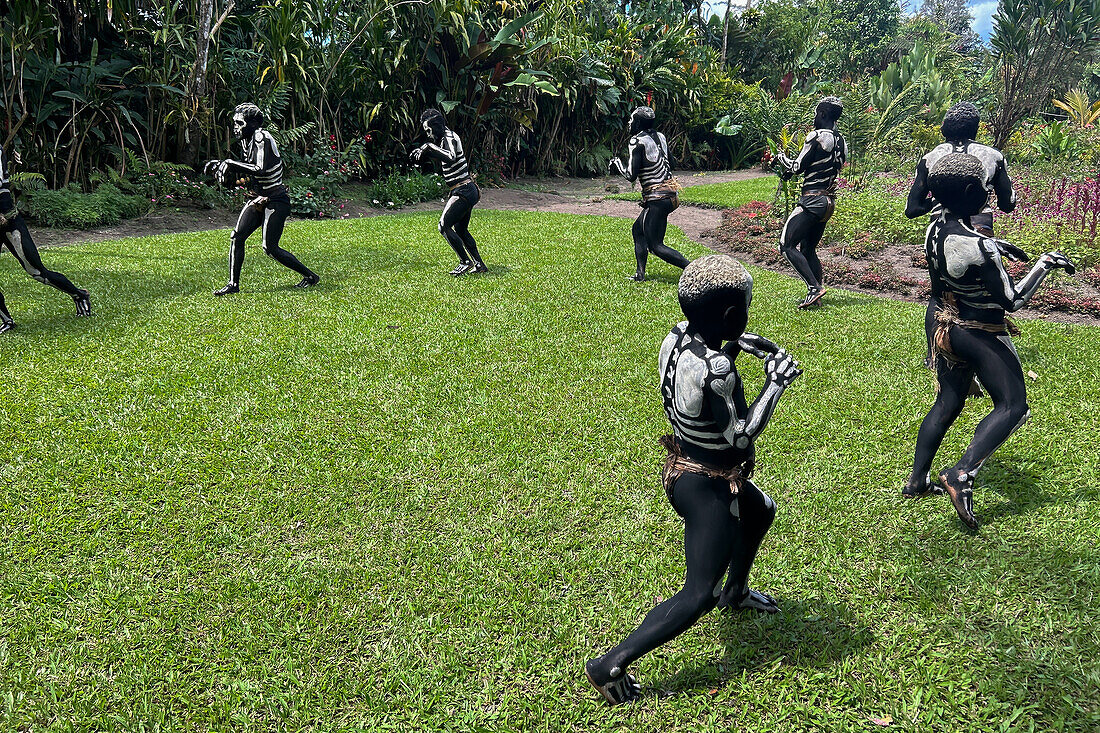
(721, 195)
(407, 502)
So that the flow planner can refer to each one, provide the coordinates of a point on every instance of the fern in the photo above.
(288, 137)
(29, 181)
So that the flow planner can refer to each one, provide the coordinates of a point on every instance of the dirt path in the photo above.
(565, 195)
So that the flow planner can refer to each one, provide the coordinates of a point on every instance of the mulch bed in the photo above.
(751, 233)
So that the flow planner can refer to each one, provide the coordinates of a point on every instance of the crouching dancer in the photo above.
(648, 161)
(970, 334)
(823, 155)
(454, 223)
(711, 455)
(14, 234)
(262, 171)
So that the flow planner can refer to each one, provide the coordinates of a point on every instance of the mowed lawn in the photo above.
(407, 502)
(728, 195)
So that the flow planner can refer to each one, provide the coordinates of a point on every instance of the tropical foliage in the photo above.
(95, 91)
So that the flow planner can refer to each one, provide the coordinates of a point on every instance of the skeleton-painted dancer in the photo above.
(261, 168)
(820, 160)
(648, 163)
(959, 128)
(711, 455)
(454, 223)
(15, 236)
(969, 332)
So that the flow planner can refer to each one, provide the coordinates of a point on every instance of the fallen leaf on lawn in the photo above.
(883, 721)
(1032, 374)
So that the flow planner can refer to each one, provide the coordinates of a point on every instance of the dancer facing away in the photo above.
(454, 223)
(823, 155)
(711, 455)
(262, 170)
(969, 334)
(14, 234)
(959, 128)
(648, 160)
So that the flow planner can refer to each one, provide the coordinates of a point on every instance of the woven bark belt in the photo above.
(677, 464)
(669, 188)
(947, 315)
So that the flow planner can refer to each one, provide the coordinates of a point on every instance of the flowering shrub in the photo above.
(488, 169)
(1056, 213)
(314, 198)
(752, 228)
(168, 184)
(328, 163)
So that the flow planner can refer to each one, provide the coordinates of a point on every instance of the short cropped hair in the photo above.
(830, 108)
(252, 115)
(961, 122)
(713, 283)
(951, 175)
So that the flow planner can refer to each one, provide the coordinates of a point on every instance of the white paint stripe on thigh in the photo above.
(446, 207)
(16, 239)
(267, 217)
(783, 235)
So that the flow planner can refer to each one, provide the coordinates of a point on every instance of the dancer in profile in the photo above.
(711, 456)
(648, 161)
(454, 223)
(262, 171)
(969, 332)
(17, 238)
(823, 155)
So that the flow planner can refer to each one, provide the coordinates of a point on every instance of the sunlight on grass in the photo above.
(721, 195)
(404, 501)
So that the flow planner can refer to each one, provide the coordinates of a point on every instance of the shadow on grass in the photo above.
(1018, 488)
(805, 633)
(659, 278)
(133, 289)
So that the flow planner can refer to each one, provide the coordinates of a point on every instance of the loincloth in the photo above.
(8, 217)
(677, 464)
(670, 189)
(947, 317)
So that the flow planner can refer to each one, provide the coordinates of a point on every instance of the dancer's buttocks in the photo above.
(467, 191)
(818, 204)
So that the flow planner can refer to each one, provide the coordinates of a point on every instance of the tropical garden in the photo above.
(402, 501)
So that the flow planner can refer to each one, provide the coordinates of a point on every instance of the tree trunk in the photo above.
(725, 31)
(196, 83)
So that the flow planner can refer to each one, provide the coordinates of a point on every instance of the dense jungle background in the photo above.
(108, 105)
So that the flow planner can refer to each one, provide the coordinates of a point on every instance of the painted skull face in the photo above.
(641, 119)
(240, 128)
(434, 127)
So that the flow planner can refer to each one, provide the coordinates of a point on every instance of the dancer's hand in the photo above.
(415, 154)
(1056, 261)
(210, 167)
(757, 345)
(781, 368)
